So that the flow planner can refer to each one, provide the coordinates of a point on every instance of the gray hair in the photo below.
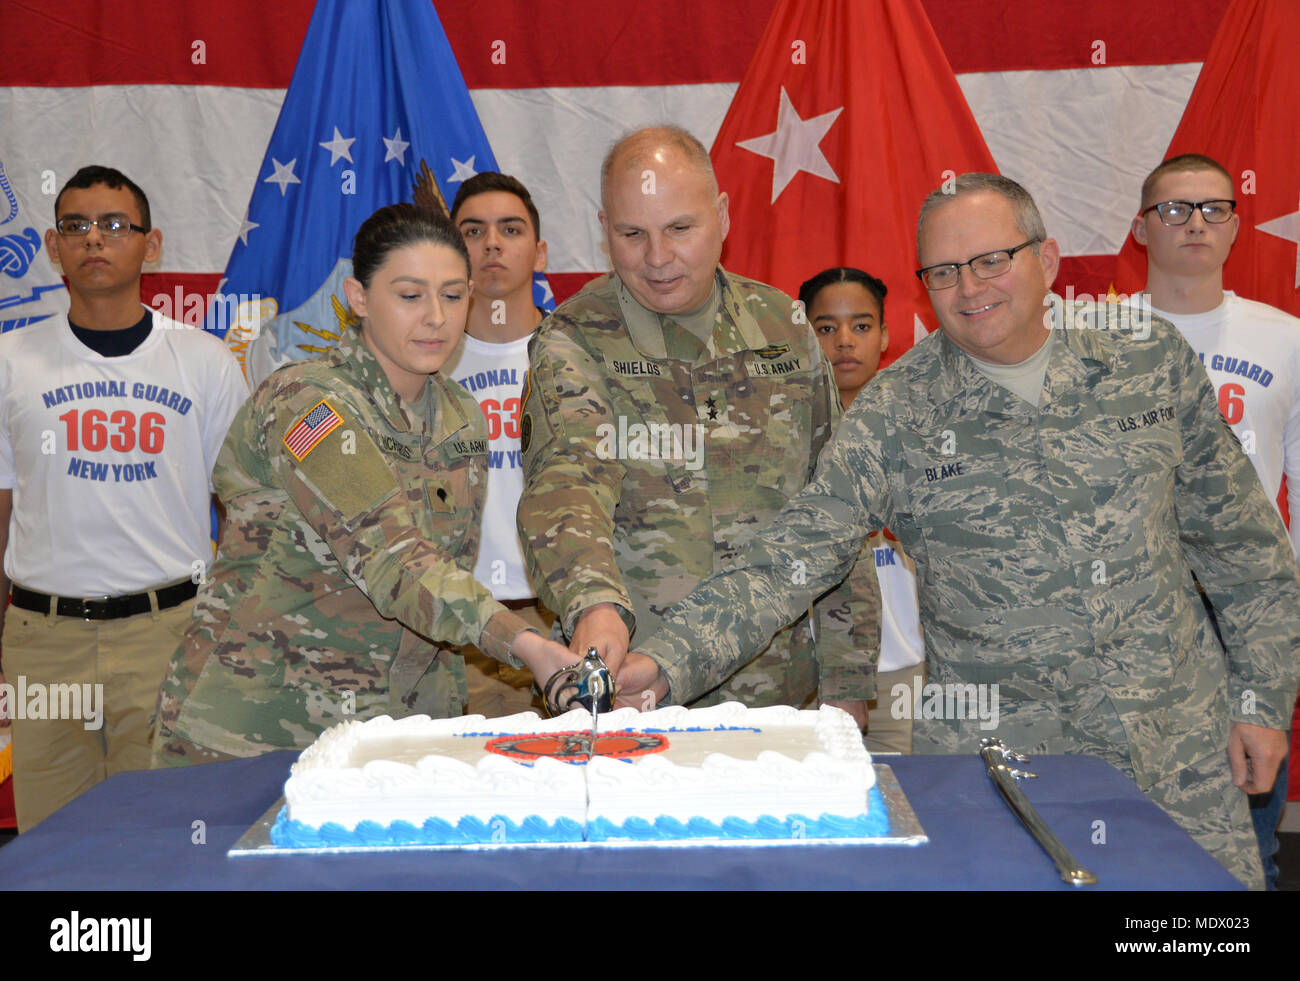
(1028, 221)
(637, 144)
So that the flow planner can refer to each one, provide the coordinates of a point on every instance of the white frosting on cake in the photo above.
(716, 767)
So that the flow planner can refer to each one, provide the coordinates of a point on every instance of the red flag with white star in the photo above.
(847, 116)
(1243, 113)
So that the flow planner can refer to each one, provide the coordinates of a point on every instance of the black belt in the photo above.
(104, 607)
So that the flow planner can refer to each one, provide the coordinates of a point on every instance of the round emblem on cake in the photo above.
(571, 747)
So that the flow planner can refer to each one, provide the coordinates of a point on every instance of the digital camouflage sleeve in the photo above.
(1054, 550)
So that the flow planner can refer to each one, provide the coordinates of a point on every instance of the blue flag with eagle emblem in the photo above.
(377, 112)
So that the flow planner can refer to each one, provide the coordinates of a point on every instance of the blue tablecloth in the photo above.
(137, 831)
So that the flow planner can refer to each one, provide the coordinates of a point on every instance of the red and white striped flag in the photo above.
(1074, 101)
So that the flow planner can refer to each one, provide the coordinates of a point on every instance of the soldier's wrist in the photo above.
(501, 633)
(580, 608)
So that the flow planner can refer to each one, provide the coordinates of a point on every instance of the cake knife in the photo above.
(595, 701)
(592, 688)
(595, 691)
(597, 686)
(995, 755)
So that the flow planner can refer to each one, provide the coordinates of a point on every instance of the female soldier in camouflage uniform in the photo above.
(353, 485)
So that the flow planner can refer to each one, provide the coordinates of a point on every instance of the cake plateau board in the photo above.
(904, 829)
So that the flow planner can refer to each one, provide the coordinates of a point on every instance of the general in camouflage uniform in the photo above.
(671, 410)
(639, 530)
(1054, 550)
(338, 569)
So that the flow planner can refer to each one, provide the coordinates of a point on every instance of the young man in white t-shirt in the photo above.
(501, 227)
(110, 422)
(1251, 351)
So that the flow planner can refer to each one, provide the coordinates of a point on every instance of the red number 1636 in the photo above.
(91, 432)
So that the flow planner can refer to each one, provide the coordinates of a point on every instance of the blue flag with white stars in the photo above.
(377, 112)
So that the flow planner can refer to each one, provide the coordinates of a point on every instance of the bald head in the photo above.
(653, 147)
(664, 219)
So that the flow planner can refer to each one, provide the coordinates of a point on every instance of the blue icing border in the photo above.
(875, 824)
(501, 830)
(434, 831)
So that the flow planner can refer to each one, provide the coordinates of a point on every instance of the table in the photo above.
(139, 830)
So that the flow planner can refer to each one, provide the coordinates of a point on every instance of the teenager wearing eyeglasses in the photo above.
(110, 423)
(1251, 351)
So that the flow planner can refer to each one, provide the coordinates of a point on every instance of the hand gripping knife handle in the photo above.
(995, 758)
(587, 684)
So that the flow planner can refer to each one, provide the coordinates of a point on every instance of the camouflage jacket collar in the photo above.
(354, 358)
(735, 330)
(1075, 363)
(450, 416)
(1079, 361)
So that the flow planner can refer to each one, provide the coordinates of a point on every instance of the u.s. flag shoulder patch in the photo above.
(308, 431)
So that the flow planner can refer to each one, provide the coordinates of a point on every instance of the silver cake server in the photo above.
(995, 756)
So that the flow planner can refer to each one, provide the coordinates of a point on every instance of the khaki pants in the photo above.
(497, 689)
(886, 734)
(123, 661)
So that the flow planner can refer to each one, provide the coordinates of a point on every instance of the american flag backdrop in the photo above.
(1074, 100)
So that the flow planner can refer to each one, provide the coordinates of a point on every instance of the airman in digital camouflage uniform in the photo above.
(672, 409)
(1054, 545)
(353, 485)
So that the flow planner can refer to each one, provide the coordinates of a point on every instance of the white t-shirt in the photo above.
(110, 459)
(494, 374)
(1251, 351)
(900, 614)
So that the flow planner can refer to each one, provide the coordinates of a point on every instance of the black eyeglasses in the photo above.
(987, 266)
(113, 226)
(1216, 212)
